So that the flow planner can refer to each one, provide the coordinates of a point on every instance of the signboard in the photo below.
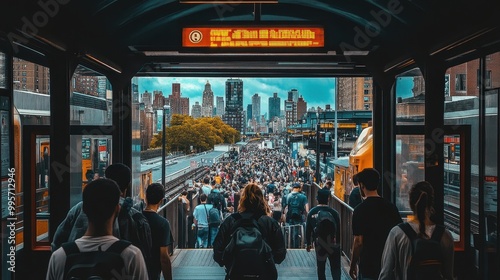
(253, 37)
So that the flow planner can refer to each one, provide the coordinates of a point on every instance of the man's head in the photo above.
(323, 196)
(155, 193)
(369, 178)
(203, 197)
(121, 174)
(296, 187)
(100, 200)
(206, 180)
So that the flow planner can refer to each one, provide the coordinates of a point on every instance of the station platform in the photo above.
(195, 264)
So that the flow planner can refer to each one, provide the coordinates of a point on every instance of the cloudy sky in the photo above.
(315, 91)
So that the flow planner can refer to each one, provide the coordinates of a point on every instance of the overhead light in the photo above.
(356, 52)
(103, 63)
(228, 1)
(400, 65)
(461, 41)
(50, 43)
(459, 55)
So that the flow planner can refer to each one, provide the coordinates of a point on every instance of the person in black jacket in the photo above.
(252, 203)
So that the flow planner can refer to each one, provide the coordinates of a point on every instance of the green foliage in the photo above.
(202, 134)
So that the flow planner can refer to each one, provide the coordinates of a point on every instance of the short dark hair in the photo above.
(206, 180)
(203, 197)
(323, 196)
(121, 174)
(100, 198)
(370, 178)
(155, 193)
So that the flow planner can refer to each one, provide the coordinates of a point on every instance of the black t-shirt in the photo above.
(161, 236)
(311, 222)
(373, 219)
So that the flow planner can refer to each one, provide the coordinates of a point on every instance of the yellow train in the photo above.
(361, 157)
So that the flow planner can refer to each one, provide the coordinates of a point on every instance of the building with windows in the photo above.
(220, 106)
(274, 106)
(355, 93)
(178, 105)
(196, 110)
(256, 107)
(234, 104)
(207, 105)
(301, 107)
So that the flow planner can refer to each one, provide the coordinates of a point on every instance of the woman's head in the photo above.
(252, 199)
(421, 203)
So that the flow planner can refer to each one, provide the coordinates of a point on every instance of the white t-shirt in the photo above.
(132, 257)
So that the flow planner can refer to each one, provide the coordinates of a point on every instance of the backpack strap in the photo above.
(438, 232)
(408, 230)
(118, 246)
(70, 248)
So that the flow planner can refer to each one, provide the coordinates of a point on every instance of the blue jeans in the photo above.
(202, 237)
(213, 233)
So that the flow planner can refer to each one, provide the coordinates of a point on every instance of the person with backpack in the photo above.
(323, 230)
(98, 254)
(249, 243)
(130, 223)
(419, 248)
(201, 222)
(371, 222)
(295, 210)
(161, 234)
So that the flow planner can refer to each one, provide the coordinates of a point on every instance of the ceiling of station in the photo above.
(145, 35)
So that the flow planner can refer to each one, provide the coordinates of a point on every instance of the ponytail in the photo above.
(421, 203)
(421, 207)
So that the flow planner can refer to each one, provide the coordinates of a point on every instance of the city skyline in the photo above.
(315, 91)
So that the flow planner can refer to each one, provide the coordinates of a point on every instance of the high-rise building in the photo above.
(158, 100)
(234, 104)
(220, 106)
(355, 93)
(196, 110)
(301, 107)
(30, 76)
(293, 95)
(256, 107)
(178, 104)
(249, 112)
(147, 99)
(207, 104)
(274, 106)
(290, 112)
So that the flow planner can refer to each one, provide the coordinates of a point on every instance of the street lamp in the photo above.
(164, 146)
(318, 127)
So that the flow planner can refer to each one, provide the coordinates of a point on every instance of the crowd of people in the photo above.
(259, 195)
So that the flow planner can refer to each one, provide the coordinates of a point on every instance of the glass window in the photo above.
(366, 99)
(493, 75)
(3, 71)
(491, 169)
(34, 81)
(410, 98)
(461, 108)
(90, 155)
(409, 167)
(460, 80)
(91, 98)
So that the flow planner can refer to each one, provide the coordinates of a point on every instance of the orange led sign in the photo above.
(253, 37)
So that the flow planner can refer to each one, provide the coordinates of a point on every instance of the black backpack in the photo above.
(295, 207)
(247, 255)
(213, 215)
(427, 257)
(107, 264)
(215, 198)
(134, 227)
(326, 226)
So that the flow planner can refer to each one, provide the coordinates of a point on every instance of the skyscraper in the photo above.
(290, 112)
(220, 106)
(234, 104)
(249, 112)
(256, 107)
(301, 107)
(293, 95)
(207, 104)
(196, 110)
(274, 106)
(178, 104)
